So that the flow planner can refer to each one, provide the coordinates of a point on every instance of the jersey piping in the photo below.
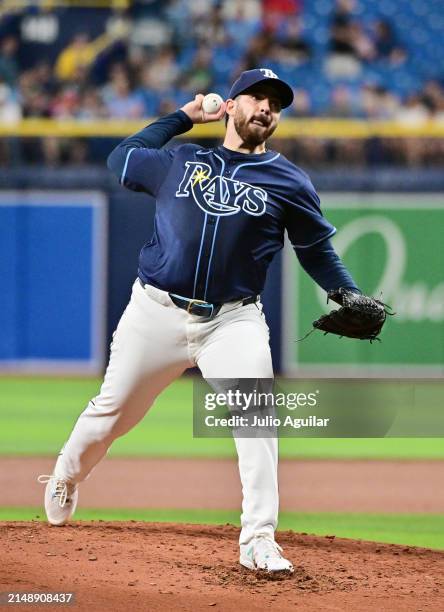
(122, 178)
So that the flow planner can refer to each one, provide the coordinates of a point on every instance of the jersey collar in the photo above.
(244, 157)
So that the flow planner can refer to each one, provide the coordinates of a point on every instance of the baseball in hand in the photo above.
(211, 103)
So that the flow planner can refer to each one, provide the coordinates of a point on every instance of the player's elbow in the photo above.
(116, 161)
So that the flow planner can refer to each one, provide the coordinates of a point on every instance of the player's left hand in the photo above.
(196, 113)
(359, 317)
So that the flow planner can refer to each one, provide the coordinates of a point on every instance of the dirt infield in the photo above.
(305, 486)
(168, 567)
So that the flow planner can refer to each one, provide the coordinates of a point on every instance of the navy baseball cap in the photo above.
(262, 75)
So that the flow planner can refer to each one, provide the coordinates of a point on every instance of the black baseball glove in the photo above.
(360, 316)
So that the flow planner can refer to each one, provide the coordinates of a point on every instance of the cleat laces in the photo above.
(60, 490)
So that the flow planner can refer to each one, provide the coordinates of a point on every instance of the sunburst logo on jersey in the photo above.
(200, 176)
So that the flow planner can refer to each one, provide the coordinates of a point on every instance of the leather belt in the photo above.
(200, 307)
(204, 309)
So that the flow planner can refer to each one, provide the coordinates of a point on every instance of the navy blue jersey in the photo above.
(221, 217)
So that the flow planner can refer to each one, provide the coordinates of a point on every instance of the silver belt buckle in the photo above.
(191, 302)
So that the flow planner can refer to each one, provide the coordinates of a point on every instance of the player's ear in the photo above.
(229, 109)
(230, 105)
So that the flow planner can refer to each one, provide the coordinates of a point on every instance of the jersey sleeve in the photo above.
(325, 266)
(305, 223)
(146, 169)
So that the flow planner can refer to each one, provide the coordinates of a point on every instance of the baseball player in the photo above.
(221, 215)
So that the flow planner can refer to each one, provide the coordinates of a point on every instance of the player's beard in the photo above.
(251, 134)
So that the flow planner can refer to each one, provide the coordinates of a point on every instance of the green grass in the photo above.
(425, 530)
(37, 415)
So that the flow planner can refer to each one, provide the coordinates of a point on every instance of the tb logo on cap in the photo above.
(269, 74)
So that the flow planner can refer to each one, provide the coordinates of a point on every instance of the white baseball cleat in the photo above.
(263, 553)
(60, 499)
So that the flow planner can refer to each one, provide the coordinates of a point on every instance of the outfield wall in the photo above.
(68, 258)
(393, 245)
(53, 280)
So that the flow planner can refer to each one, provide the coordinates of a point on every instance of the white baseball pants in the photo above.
(155, 341)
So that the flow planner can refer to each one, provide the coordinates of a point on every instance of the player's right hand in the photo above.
(196, 113)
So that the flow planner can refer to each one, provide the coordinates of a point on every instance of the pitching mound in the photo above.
(168, 567)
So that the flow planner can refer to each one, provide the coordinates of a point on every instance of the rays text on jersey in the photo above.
(219, 195)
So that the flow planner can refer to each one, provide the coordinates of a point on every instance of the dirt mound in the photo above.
(169, 567)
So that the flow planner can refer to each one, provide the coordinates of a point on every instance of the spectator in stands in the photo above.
(120, 101)
(35, 100)
(246, 10)
(9, 68)
(66, 103)
(92, 106)
(276, 11)
(349, 43)
(82, 52)
(10, 110)
(414, 111)
(257, 52)
(242, 20)
(386, 44)
(301, 106)
(162, 71)
(137, 59)
(342, 60)
(210, 29)
(341, 40)
(362, 44)
(178, 15)
(79, 53)
(166, 106)
(433, 94)
(342, 104)
(44, 76)
(292, 48)
(199, 77)
(377, 102)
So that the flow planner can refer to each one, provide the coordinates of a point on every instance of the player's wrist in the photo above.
(187, 113)
(193, 109)
(185, 118)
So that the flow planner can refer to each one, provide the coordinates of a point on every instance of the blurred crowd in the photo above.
(345, 59)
